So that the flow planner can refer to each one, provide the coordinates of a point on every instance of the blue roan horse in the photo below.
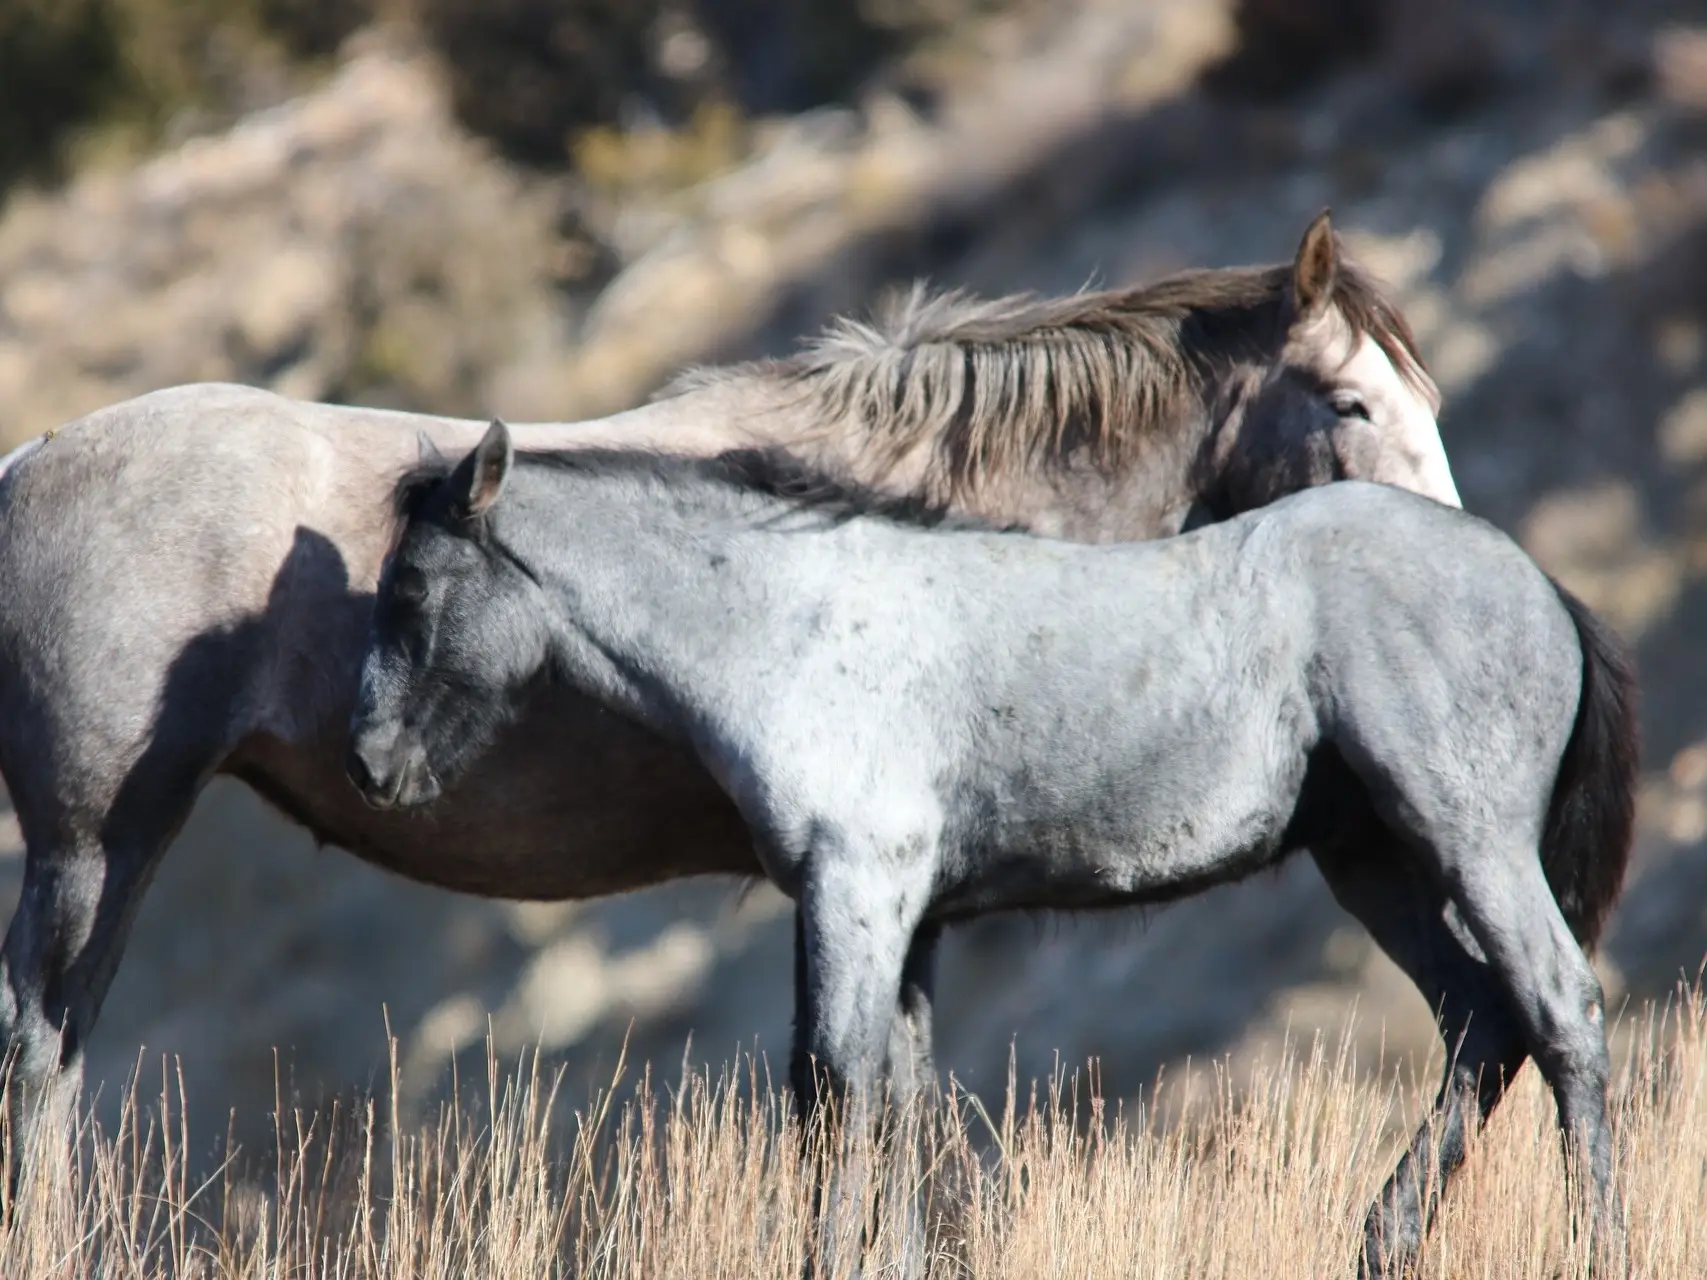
(920, 724)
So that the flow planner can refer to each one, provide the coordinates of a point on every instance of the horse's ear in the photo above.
(480, 476)
(426, 452)
(1315, 271)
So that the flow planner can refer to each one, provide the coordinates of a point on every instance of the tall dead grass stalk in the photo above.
(705, 1179)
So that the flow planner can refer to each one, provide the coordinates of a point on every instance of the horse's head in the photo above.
(457, 634)
(1346, 396)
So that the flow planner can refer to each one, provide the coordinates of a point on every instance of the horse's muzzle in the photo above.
(400, 782)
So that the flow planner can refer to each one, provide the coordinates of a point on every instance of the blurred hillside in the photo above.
(544, 221)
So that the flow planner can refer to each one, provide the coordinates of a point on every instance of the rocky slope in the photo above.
(1548, 235)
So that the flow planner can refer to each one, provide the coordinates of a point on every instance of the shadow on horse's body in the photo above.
(189, 581)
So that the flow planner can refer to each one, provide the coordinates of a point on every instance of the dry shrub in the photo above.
(1267, 1179)
(532, 75)
(1287, 45)
(528, 73)
(60, 65)
(133, 67)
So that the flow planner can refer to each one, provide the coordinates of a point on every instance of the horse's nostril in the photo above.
(357, 769)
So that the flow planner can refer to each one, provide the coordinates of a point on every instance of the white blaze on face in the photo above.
(1412, 455)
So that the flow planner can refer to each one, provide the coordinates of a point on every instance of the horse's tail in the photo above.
(1585, 847)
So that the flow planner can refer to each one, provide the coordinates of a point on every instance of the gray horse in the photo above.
(189, 576)
(922, 725)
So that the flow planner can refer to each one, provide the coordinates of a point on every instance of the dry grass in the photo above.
(702, 1180)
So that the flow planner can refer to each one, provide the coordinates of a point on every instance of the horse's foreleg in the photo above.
(912, 1057)
(862, 983)
(911, 1071)
(84, 877)
(912, 1081)
(857, 926)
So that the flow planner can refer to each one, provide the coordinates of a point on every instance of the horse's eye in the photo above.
(1348, 404)
(409, 586)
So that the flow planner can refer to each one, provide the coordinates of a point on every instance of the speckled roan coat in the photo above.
(186, 581)
(920, 725)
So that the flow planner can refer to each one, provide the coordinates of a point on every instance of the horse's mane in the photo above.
(772, 472)
(1003, 384)
(999, 385)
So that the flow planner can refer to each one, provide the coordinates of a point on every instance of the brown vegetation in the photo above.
(141, 67)
(1267, 1179)
(527, 75)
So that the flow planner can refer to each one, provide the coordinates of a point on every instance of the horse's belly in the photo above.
(1161, 824)
(571, 802)
(1069, 872)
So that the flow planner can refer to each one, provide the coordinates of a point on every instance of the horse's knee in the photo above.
(37, 1046)
(62, 948)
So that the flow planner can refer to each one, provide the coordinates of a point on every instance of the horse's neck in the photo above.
(649, 600)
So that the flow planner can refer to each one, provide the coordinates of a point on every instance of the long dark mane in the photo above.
(773, 472)
(995, 388)
(1003, 385)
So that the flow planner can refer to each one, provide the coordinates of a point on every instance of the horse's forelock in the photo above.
(412, 495)
(412, 487)
(1370, 313)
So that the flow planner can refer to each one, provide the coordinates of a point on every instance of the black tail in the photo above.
(1585, 848)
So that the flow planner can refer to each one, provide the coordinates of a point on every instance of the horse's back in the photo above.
(1096, 721)
(1359, 546)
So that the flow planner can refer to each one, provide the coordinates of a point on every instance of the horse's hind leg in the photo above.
(1410, 919)
(1504, 897)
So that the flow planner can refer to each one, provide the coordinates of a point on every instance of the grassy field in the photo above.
(701, 1179)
